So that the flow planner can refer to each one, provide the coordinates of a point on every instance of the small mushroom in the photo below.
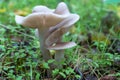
(51, 25)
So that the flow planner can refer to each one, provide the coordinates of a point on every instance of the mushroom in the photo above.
(50, 26)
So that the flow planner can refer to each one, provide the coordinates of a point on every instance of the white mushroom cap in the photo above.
(41, 8)
(43, 17)
(40, 20)
(62, 9)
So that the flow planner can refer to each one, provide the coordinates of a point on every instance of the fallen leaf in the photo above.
(3, 10)
(21, 12)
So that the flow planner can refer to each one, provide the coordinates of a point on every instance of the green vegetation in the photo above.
(97, 34)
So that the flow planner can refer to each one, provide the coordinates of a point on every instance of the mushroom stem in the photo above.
(59, 57)
(46, 55)
(45, 52)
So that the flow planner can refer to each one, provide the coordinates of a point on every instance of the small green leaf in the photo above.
(51, 61)
(45, 65)
(19, 78)
(37, 77)
(55, 72)
(62, 74)
(78, 76)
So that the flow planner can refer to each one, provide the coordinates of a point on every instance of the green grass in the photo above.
(97, 34)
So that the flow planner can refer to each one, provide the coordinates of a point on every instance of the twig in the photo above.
(5, 27)
(93, 69)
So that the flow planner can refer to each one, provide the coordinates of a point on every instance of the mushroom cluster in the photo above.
(50, 25)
